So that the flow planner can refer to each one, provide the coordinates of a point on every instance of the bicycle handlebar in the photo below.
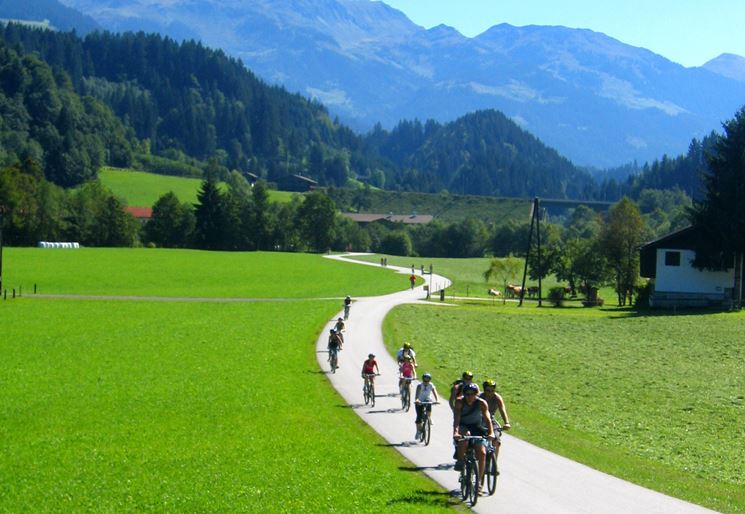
(371, 374)
(426, 403)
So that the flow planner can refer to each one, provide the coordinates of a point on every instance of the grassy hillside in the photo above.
(657, 400)
(448, 207)
(142, 406)
(141, 189)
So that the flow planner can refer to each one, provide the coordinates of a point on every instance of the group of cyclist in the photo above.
(336, 334)
(474, 411)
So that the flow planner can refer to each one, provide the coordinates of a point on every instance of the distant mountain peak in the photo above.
(727, 65)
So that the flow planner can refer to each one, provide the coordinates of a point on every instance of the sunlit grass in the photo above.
(184, 407)
(190, 273)
(656, 399)
(142, 189)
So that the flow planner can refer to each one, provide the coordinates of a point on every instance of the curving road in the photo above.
(532, 480)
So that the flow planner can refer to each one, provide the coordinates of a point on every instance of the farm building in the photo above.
(297, 183)
(406, 219)
(668, 263)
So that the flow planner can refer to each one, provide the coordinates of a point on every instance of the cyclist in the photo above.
(456, 391)
(406, 371)
(471, 417)
(347, 303)
(369, 367)
(495, 402)
(426, 392)
(405, 350)
(335, 345)
(340, 326)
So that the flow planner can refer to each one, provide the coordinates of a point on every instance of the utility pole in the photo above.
(2, 220)
(534, 220)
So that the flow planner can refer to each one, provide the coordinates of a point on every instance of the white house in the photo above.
(668, 263)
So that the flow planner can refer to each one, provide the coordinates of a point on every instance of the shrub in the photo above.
(556, 296)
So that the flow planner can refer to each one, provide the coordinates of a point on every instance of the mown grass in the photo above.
(189, 273)
(655, 399)
(142, 189)
(467, 275)
(184, 407)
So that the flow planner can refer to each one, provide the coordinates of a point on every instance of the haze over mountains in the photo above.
(598, 101)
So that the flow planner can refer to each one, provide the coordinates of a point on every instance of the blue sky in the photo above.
(689, 32)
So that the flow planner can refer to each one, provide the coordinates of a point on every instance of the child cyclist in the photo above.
(425, 394)
(406, 371)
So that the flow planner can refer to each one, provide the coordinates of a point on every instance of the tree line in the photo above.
(186, 105)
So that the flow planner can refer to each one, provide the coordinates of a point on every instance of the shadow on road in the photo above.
(440, 467)
(402, 444)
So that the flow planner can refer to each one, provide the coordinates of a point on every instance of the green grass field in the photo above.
(184, 407)
(189, 273)
(448, 208)
(132, 406)
(467, 275)
(141, 189)
(655, 399)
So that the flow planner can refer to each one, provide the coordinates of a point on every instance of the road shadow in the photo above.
(402, 444)
(444, 466)
(386, 411)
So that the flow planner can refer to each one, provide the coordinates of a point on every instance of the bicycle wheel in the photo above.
(473, 481)
(366, 393)
(403, 397)
(490, 472)
(426, 431)
(334, 362)
(464, 491)
(372, 393)
(405, 403)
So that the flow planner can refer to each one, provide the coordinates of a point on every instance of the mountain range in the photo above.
(597, 100)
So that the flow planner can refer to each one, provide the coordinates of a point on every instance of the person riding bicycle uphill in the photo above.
(335, 344)
(369, 368)
(340, 326)
(406, 371)
(456, 391)
(347, 304)
(426, 393)
(405, 350)
(495, 402)
(471, 417)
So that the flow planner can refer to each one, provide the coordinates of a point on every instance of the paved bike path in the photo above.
(532, 480)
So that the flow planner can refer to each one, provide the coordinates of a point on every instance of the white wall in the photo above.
(687, 279)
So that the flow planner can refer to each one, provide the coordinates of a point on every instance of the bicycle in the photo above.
(346, 312)
(426, 431)
(491, 471)
(406, 393)
(334, 359)
(368, 390)
(469, 475)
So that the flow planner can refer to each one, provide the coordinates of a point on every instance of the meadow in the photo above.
(189, 273)
(655, 399)
(132, 406)
(141, 189)
(467, 275)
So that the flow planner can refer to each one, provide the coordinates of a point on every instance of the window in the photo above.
(672, 258)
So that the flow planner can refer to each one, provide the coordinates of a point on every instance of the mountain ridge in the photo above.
(597, 100)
